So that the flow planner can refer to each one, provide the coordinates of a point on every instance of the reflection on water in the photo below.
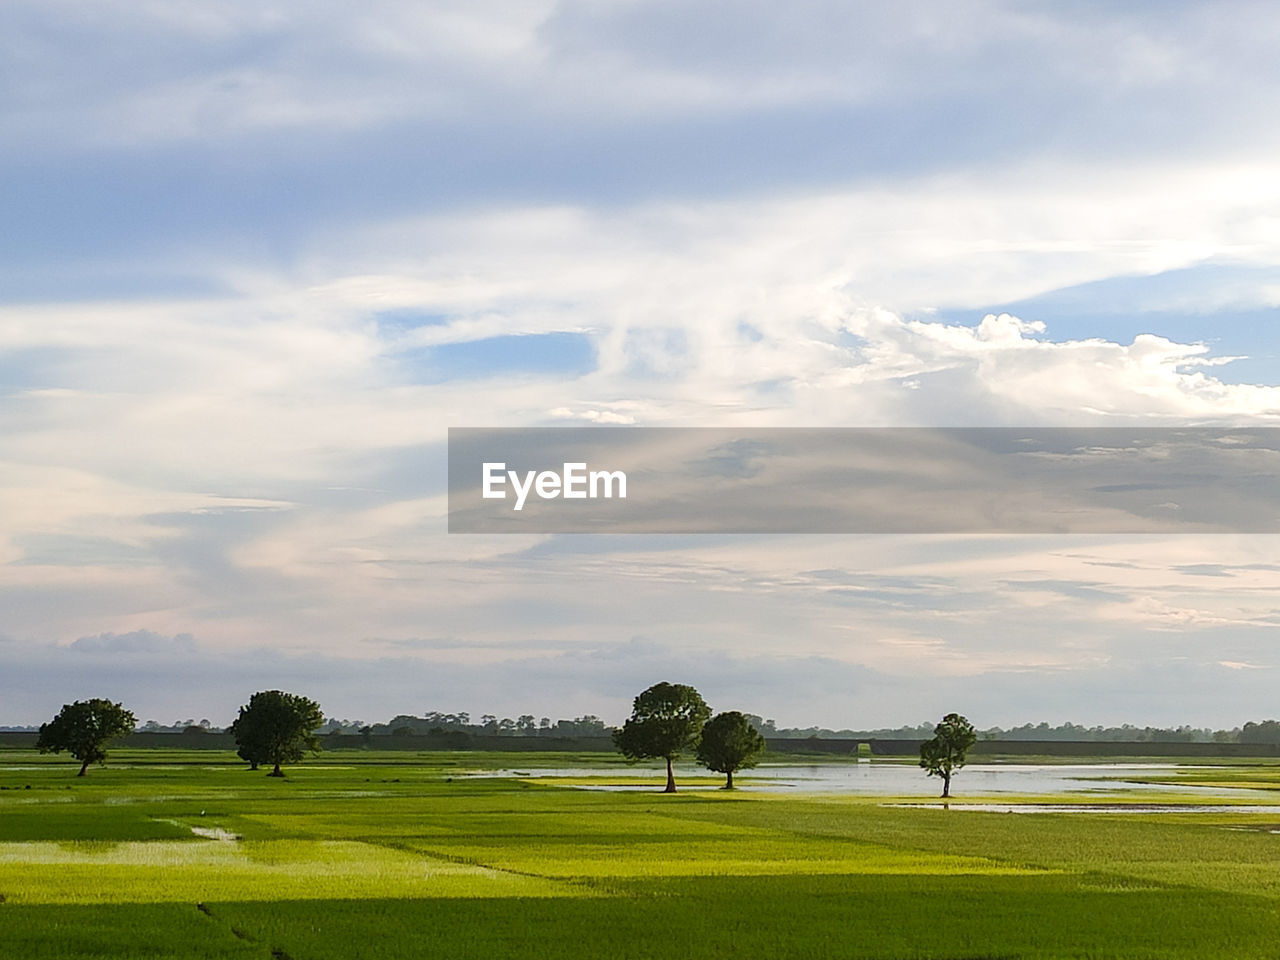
(903, 779)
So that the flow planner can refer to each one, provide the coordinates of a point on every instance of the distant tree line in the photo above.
(488, 725)
(1266, 731)
(770, 729)
(526, 725)
(179, 726)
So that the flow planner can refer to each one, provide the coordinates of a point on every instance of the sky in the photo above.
(258, 257)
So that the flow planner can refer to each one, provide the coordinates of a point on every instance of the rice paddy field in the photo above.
(358, 855)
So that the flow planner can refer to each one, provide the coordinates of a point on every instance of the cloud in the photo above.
(136, 641)
(267, 480)
(240, 134)
(604, 417)
(1164, 686)
(234, 69)
(226, 379)
(1016, 376)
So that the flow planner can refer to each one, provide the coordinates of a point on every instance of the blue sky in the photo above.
(257, 258)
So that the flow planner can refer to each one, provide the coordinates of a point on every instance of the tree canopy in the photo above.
(276, 727)
(729, 743)
(84, 729)
(945, 753)
(665, 720)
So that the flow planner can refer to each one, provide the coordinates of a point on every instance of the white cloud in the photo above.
(289, 398)
(746, 208)
(134, 72)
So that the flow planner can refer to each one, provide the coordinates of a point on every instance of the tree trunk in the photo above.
(253, 764)
(728, 783)
(83, 768)
(946, 785)
(276, 772)
(671, 778)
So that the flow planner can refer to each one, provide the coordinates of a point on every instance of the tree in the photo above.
(1268, 731)
(276, 727)
(84, 729)
(945, 753)
(665, 720)
(729, 743)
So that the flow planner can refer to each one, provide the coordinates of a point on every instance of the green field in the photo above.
(358, 855)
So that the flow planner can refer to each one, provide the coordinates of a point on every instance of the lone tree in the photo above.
(276, 727)
(665, 720)
(945, 753)
(729, 743)
(84, 729)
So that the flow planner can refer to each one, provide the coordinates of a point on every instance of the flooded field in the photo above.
(1108, 808)
(903, 779)
(385, 855)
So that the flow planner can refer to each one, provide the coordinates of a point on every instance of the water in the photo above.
(901, 779)
(1096, 807)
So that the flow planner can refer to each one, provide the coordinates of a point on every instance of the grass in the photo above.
(789, 917)
(139, 931)
(173, 854)
(191, 872)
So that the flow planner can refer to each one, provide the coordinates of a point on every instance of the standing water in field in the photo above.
(901, 779)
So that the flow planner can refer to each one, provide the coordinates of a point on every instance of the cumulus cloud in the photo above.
(1017, 375)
